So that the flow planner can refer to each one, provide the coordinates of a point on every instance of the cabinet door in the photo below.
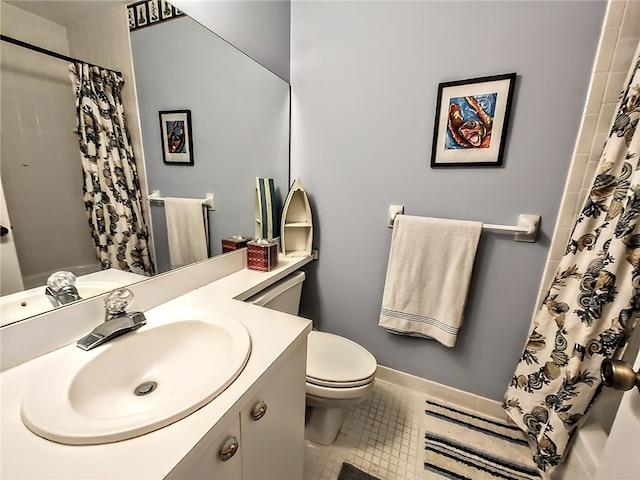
(273, 444)
(205, 462)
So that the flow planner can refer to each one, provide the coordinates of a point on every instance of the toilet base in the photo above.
(324, 416)
(322, 424)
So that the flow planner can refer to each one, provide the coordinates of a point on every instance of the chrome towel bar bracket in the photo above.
(156, 199)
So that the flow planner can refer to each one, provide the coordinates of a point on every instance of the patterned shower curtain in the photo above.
(111, 187)
(593, 300)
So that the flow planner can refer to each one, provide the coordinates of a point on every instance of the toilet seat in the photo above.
(338, 393)
(337, 362)
(330, 384)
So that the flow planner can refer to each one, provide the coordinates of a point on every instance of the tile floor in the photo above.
(382, 436)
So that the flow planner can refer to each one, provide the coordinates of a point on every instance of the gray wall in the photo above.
(240, 124)
(261, 29)
(364, 79)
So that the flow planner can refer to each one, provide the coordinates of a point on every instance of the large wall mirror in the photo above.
(239, 119)
(240, 126)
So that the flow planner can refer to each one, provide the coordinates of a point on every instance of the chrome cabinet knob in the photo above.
(229, 448)
(258, 410)
(619, 375)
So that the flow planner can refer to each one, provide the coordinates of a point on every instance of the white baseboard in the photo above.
(441, 392)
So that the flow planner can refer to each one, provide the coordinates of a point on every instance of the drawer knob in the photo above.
(258, 410)
(229, 448)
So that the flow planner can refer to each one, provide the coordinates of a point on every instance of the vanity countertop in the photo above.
(274, 335)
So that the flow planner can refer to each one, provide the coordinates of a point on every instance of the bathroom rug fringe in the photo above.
(460, 445)
(349, 472)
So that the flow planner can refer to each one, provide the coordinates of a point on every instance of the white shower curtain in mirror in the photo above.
(111, 187)
(593, 300)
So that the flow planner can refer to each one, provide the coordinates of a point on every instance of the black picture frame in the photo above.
(166, 10)
(176, 137)
(142, 15)
(471, 123)
(153, 9)
(146, 13)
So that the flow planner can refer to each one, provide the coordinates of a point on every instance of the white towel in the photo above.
(187, 230)
(428, 276)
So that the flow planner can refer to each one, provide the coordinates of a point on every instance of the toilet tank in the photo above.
(283, 295)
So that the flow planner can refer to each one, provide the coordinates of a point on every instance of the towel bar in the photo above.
(525, 231)
(155, 198)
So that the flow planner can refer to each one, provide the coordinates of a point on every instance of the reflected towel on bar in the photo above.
(428, 276)
(187, 230)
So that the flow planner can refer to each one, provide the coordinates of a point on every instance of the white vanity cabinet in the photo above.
(268, 426)
(268, 448)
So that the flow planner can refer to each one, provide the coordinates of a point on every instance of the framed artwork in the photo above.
(471, 122)
(154, 10)
(149, 12)
(141, 14)
(166, 10)
(175, 133)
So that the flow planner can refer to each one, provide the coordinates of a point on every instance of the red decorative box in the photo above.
(234, 243)
(262, 255)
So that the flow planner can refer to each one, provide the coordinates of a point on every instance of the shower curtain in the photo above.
(593, 300)
(111, 187)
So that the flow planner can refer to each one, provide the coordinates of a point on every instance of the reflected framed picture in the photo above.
(175, 132)
(141, 14)
(149, 12)
(471, 121)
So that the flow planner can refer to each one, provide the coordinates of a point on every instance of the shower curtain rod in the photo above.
(50, 53)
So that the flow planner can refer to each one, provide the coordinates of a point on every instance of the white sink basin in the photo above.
(90, 397)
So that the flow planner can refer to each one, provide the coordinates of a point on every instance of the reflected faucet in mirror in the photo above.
(61, 288)
(34, 301)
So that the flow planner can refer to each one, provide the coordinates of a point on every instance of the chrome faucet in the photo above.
(61, 288)
(116, 322)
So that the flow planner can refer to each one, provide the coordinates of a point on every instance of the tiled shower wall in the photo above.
(41, 170)
(40, 156)
(618, 42)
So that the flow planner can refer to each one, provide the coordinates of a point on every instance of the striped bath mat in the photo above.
(466, 446)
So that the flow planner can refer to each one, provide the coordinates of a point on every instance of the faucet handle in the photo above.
(61, 288)
(59, 280)
(118, 301)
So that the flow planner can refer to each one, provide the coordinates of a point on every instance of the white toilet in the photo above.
(340, 372)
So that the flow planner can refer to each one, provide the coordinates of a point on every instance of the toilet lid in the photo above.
(337, 361)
